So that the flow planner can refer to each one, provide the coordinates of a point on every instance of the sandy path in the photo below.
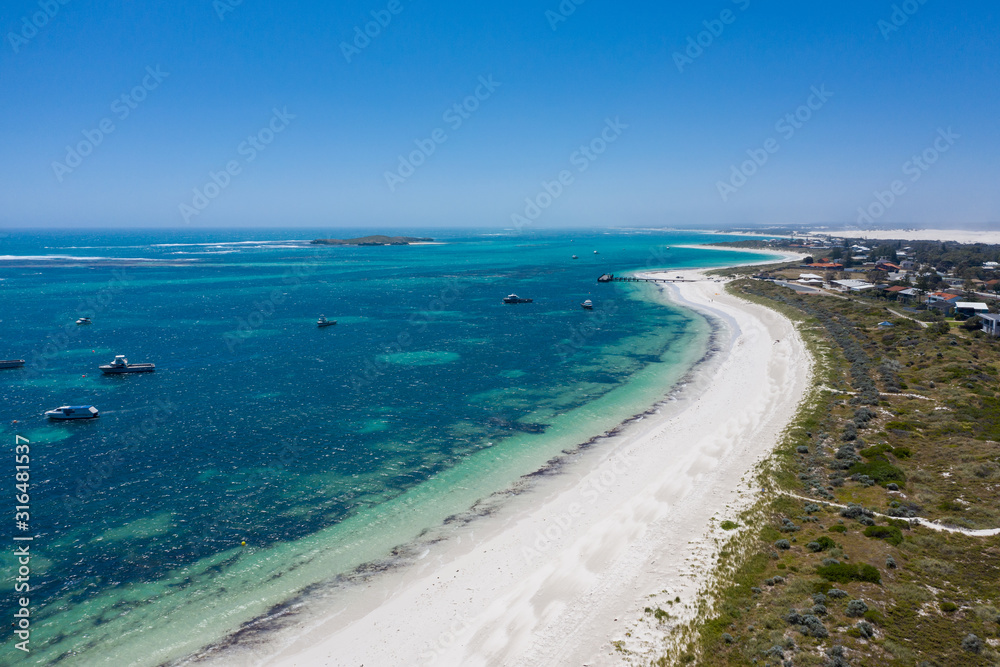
(555, 579)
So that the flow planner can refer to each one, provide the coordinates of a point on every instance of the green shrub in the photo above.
(838, 528)
(856, 608)
(972, 644)
(902, 452)
(843, 573)
(902, 524)
(900, 426)
(948, 607)
(729, 525)
(875, 450)
(890, 534)
(826, 542)
(875, 616)
(879, 470)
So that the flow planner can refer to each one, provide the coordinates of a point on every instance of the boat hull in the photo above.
(134, 368)
(12, 363)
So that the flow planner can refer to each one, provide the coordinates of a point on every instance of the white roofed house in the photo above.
(853, 285)
(991, 324)
(970, 308)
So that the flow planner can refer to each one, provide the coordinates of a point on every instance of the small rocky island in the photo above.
(377, 239)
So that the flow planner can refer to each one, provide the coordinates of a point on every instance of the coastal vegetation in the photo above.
(830, 567)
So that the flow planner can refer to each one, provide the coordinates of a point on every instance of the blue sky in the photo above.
(681, 123)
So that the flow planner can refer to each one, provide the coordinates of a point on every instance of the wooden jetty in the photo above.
(612, 278)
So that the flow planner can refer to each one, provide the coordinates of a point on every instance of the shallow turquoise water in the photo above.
(322, 449)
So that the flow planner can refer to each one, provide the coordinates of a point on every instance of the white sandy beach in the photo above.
(554, 578)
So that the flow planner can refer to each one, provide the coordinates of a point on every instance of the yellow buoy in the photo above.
(243, 543)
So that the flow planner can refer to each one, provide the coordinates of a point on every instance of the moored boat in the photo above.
(513, 298)
(121, 365)
(12, 363)
(323, 322)
(84, 320)
(588, 305)
(74, 412)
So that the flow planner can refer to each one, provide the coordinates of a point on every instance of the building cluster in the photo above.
(900, 278)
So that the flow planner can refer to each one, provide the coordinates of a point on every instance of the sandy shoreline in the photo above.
(556, 575)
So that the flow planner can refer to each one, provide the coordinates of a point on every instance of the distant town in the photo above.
(931, 281)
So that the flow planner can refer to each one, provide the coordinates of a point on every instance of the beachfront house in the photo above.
(893, 292)
(852, 285)
(970, 308)
(991, 324)
(887, 266)
(948, 297)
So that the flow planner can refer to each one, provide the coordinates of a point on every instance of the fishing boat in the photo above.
(74, 412)
(12, 363)
(588, 305)
(513, 298)
(121, 365)
(575, 257)
(84, 320)
(323, 322)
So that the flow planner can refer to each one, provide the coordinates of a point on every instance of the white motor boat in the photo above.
(323, 322)
(74, 412)
(84, 320)
(121, 365)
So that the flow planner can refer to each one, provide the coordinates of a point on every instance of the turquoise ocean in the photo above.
(267, 459)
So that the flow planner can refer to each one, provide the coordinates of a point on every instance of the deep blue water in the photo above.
(257, 426)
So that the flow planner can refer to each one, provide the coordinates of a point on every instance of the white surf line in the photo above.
(933, 525)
